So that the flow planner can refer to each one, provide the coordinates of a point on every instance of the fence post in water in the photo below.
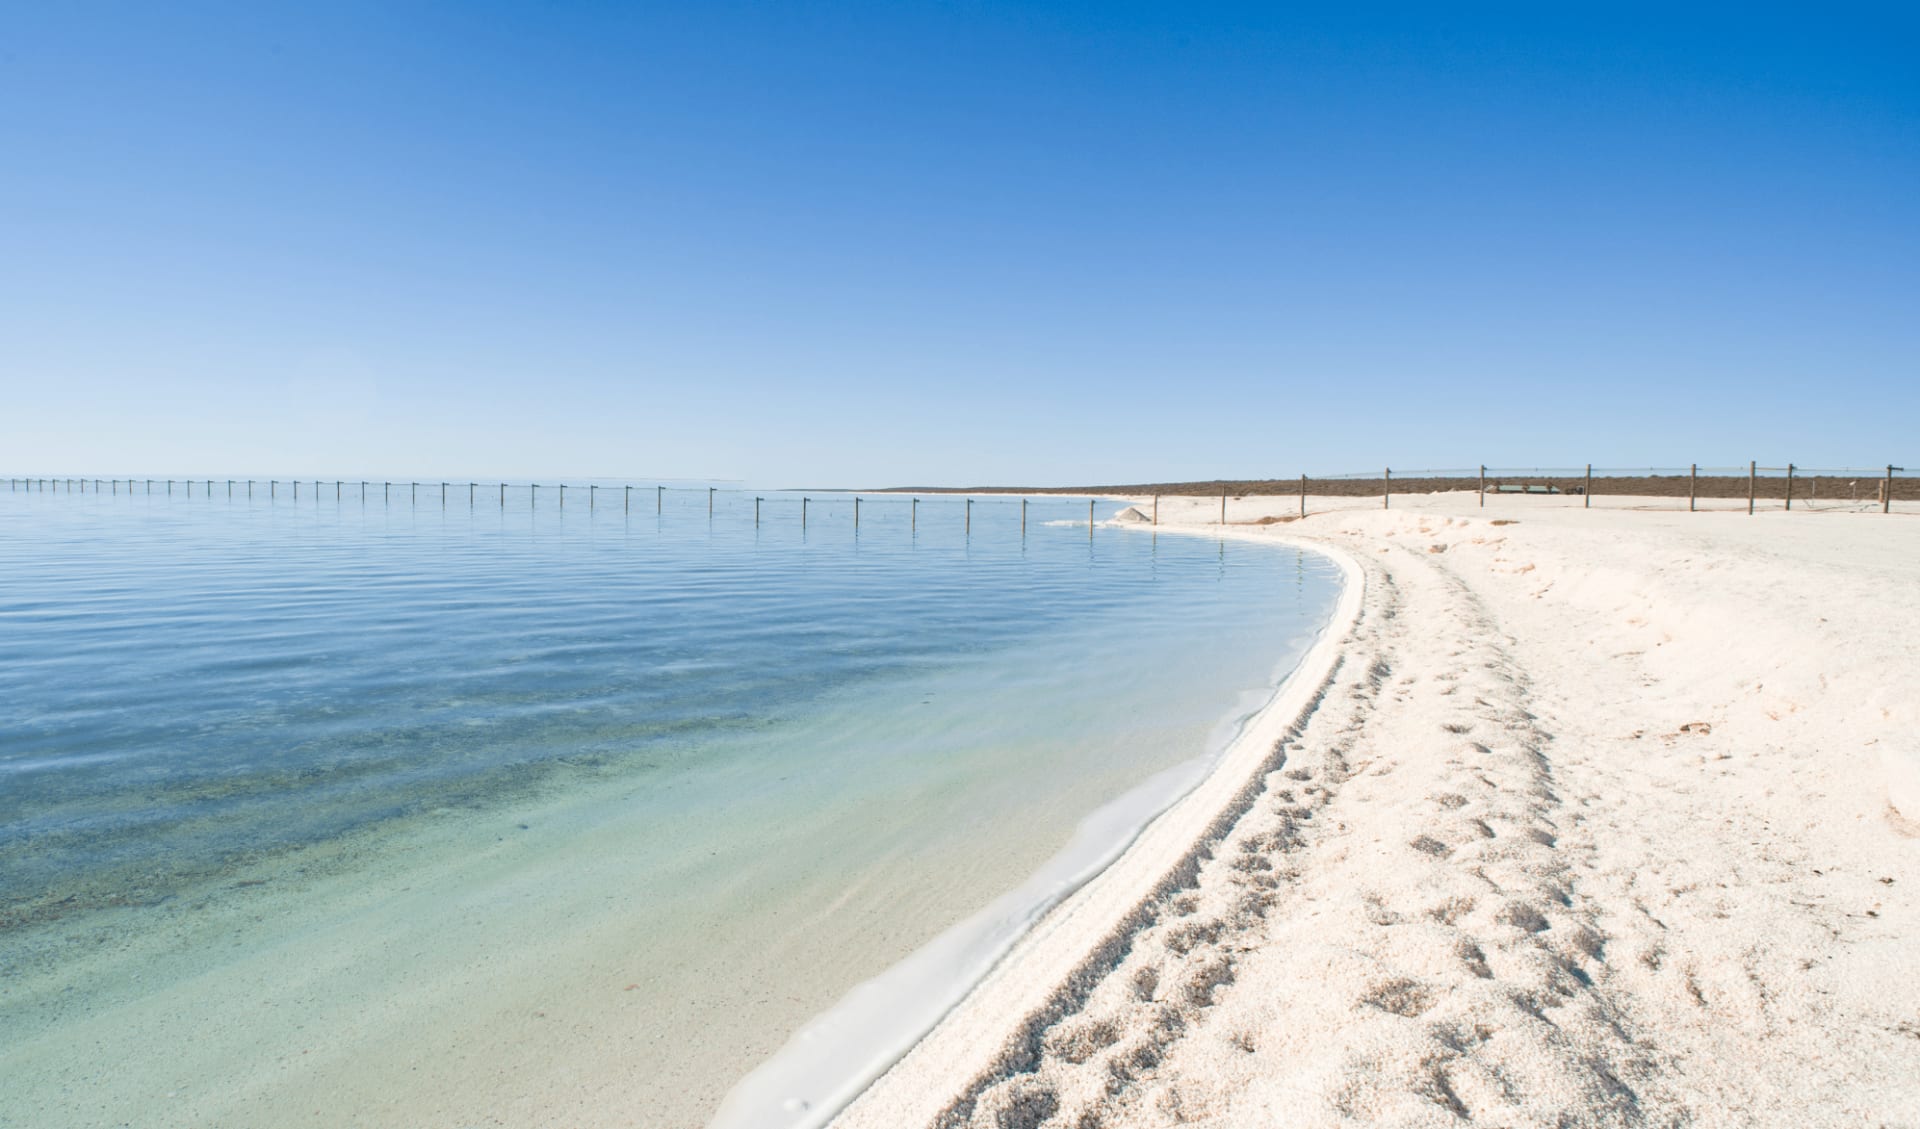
(1156, 509)
(1089, 519)
(1693, 485)
(1886, 494)
(1789, 486)
(1386, 489)
(592, 491)
(659, 496)
(969, 517)
(756, 513)
(443, 495)
(913, 518)
(803, 515)
(1752, 483)
(856, 513)
(503, 495)
(627, 507)
(533, 494)
(1587, 498)
(1023, 519)
(710, 501)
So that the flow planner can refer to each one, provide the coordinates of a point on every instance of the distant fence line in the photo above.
(1791, 484)
(497, 494)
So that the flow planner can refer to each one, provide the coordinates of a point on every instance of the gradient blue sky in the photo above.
(961, 243)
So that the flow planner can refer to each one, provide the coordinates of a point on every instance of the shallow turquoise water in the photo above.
(773, 719)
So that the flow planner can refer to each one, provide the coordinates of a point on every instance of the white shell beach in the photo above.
(1594, 816)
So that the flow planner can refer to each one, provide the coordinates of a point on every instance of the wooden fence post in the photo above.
(756, 513)
(1789, 486)
(969, 517)
(710, 501)
(856, 513)
(593, 491)
(563, 495)
(1223, 507)
(1886, 495)
(1483, 486)
(1693, 485)
(803, 515)
(1587, 498)
(628, 508)
(1752, 483)
(1303, 495)
(1089, 519)
(913, 517)
(1023, 519)
(659, 498)
(1386, 489)
(1156, 509)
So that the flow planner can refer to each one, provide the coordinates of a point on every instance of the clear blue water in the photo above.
(800, 751)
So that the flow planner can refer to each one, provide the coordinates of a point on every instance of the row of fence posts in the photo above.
(1693, 487)
(1386, 493)
(1586, 496)
(386, 496)
(386, 490)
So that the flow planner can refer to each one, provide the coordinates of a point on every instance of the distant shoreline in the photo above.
(1656, 486)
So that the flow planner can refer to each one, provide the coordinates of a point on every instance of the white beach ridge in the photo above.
(1599, 818)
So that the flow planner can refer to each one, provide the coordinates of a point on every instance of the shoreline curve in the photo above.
(1030, 951)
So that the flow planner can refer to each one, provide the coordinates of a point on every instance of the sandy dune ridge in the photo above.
(1590, 822)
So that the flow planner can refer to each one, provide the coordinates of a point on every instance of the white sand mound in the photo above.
(1130, 516)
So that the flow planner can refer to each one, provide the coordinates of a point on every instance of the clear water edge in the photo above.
(981, 674)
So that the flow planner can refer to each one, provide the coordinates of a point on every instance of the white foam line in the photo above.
(896, 1049)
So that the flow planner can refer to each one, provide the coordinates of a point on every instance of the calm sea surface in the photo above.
(379, 811)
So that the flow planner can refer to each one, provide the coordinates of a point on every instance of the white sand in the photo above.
(1590, 826)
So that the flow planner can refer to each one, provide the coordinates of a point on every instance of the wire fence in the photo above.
(886, 508)
(1750, 489)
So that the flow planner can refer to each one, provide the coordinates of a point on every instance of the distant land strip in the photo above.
(1861, 487)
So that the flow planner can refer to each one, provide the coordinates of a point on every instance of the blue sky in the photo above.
(954, 243)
